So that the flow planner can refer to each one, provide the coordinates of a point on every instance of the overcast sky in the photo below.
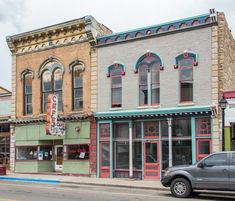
(18, 16)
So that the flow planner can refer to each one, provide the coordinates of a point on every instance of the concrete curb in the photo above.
(53, 181)
(67, 183)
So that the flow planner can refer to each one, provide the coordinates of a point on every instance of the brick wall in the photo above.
(93, 147)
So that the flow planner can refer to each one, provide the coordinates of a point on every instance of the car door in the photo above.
(232, 172)
(214, 174)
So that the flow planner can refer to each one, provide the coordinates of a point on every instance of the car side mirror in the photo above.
(201, 165)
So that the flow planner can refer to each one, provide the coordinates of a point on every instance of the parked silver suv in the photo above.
(214, 172)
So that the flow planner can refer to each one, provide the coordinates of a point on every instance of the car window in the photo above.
(216, 160)
(233, 159)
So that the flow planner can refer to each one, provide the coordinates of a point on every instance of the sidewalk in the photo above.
(75, 180)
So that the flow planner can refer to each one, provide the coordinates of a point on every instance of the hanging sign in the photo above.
(53, 126)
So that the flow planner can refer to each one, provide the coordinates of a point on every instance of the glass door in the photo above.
(151, 160)
(104, 160)
(58, 157)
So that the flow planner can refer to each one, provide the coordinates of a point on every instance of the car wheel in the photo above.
(181, 188)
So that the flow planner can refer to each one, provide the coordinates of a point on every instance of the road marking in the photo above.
(1, 199)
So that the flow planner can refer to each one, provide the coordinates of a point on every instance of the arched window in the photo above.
(116, 86)
(186, 79)
(51, 74)
(28, 94)
(149, 67)
(77, 88)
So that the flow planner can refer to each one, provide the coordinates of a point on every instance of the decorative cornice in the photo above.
(116, 64)
(186, 54)
(170, 27)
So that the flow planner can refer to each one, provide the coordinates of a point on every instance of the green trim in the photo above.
(227, 139)
(118, 64)
(190, 54)
(111, 149)
(193, 133)
(159, 111)
(154, 26)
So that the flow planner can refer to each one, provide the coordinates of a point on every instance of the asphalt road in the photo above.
(10, 191)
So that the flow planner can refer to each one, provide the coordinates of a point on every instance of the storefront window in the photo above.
(181, 127)
(26, 153)
(182, 152)
(151, 129)
(204, 147)
(122, 155)
(77, 152)
(137, 155)
(203, 126)
(121, 130)
(151, 153)
(45, 153)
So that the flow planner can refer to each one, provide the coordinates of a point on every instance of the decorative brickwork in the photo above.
(93, 147)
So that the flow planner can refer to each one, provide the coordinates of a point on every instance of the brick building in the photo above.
(58, 59)
(158, 94)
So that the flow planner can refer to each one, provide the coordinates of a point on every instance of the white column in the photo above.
(169, 121)
(130, 151)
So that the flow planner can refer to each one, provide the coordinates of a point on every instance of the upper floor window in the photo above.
(185, 62)
(77, 88)
(28, 94)
(149, 67)
(186, 79)
(26, 77)
(116, 71)
(116, 87)
(51, 74)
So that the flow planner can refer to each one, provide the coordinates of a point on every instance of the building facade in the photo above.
(60, 60)
(158, 93)
(5, 115)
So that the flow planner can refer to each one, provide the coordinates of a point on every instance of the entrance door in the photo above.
(58, 157)
(151, 160)
(104, 160)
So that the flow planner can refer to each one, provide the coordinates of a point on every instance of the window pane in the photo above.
(143, 95)
(155, 73)
(78, 152)
(58, 79)
(165, 154)
(186, 62)
(116, 81)
(78, 104)
(122, 155)
(121, 130)
(137, 130)
(155, 94)
(149, 59)
(137, 155)
(45, 95)
(45, 153)
(78, 93)
(26, 153)
(186, 91)
(216, 160)
(204, 147)
(151, 152)
(181, 127)
(143, 75)
(116, 71)
(28, 84)
(182, 152)
(77, 80)
(104, 130)
(186, 73)
(116, 97)
(47, 85)
(233, 159)
(59, 97)
(105, 155)
(29, 109)
(151, 128)
(203, 126)
(164, 128)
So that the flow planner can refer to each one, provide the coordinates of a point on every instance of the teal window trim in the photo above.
(183, 55)
(116, 64)
(149, 89)
(193, 133)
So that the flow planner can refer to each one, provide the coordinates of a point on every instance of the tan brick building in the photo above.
(57, 59)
